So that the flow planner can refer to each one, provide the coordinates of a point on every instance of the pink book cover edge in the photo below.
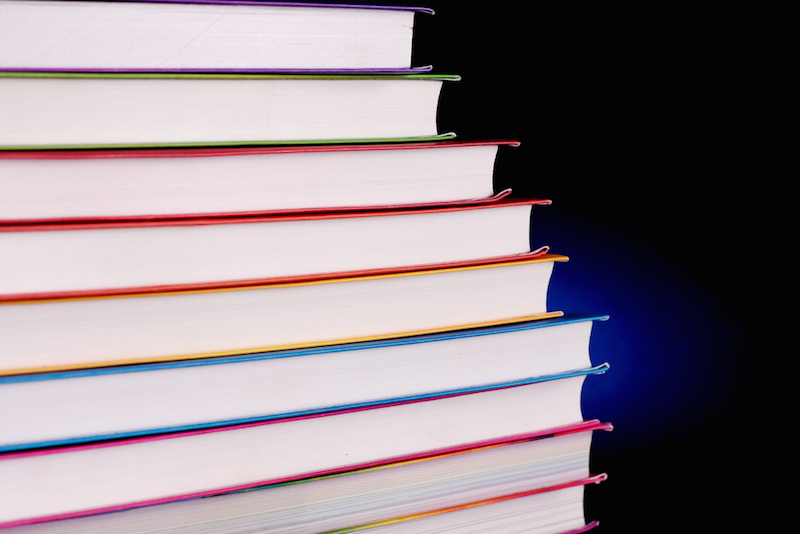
(200, 152)
(499, 200)
(587, 528)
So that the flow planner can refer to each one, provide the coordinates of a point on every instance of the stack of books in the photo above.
(246, 285)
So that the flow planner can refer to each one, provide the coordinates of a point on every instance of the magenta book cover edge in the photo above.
(375, 71)
(576, 427)
(231, 216)
(583, 426)
(278, 4)
(285, 4)
(499, 200)
(135, 153)
(587, 528)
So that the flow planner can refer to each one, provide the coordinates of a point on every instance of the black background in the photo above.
(636, 121)
(628, 122)
(631, 120)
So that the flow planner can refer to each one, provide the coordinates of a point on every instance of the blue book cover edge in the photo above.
(291, 353)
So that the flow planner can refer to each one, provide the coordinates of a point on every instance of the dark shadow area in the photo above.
(625, 126)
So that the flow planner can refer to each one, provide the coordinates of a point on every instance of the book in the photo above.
(59, 185)
(364, 362)
(91, 257)
(428, 484)
(62, 482)
(124, 109)
(202, 35)
(185, 323)
(52, 409)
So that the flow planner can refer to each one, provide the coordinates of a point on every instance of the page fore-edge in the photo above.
(583, 426)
